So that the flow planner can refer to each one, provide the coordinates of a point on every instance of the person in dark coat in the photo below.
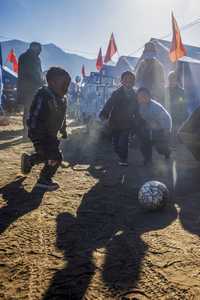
(175, 100)
(122, 111)
(150, 73)
(175, 104)
(47, 117)
(29, 78)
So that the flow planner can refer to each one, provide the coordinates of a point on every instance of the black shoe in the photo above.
(47, 184)
(25, 164)
(123, 163)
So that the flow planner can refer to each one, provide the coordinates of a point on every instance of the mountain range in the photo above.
(51, 55)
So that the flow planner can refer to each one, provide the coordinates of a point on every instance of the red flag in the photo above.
(177, 49)
(83, 71)
(13, 60)
(112, 49)
(99, 62)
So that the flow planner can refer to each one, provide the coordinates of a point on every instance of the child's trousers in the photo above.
(43, 153)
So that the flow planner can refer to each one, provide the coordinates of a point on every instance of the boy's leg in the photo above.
(146, 150)
(28, 161)
(145, 145)
(52, 162)
(123, 146)
(115, 140)
(162, 145)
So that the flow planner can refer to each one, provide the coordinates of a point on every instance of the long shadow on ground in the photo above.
(105, 236)
(18, 202)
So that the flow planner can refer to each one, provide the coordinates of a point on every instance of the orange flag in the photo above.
(177, 49)
(99, 62)
(112, 49)
(13, 60)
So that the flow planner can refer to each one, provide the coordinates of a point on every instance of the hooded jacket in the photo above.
(47, 116)
(121, 109)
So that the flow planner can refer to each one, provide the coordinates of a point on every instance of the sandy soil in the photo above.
(90, 239)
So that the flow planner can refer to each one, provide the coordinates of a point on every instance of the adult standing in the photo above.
(29, 79)
(150, 73)
(175, 103)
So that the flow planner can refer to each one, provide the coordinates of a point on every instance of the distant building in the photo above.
(9, 77)
(125, 63)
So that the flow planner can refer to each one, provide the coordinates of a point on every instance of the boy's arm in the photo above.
(104, 114)
(63, 130)
(164, 119)
(37, 118)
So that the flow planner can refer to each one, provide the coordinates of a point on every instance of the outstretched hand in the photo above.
(64, 135)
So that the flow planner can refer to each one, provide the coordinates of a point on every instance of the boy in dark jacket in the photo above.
(47, 118)
(122, 112)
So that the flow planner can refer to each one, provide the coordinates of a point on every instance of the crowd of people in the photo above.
(150, 113)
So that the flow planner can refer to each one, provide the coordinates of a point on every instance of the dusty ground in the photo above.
(90, 239)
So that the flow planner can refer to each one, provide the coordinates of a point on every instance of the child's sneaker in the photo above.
(25, 164)
(47, 184)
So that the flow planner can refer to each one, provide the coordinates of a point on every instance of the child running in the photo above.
(47, 117)
(122, 111)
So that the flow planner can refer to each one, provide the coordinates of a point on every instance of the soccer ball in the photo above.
(153, 195)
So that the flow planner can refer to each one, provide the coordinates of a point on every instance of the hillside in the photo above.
(52, 56)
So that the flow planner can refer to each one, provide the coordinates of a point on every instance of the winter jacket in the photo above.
(176, 104)
(29, 77)
(151, 76)
(47, 116)
(156, 116)
(121, 109)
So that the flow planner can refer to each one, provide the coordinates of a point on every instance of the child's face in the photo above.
(143, 98)
(59, 85)
(128, 81)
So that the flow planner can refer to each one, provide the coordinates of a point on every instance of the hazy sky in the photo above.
(85, 25)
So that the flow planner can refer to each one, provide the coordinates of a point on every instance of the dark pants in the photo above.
(44, 153)
(156, 138)
(120, 140)
(26, 112)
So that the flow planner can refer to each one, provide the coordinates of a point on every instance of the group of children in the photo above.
(135, 113)
(129, 112)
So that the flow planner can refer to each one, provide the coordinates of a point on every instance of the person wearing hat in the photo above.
(29, 79)
(150, 73)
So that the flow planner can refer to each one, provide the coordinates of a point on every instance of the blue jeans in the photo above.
(120, 140)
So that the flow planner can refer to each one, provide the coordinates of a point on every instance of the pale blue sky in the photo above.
(85, 25)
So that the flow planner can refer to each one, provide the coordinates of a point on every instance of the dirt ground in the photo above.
(90, 239)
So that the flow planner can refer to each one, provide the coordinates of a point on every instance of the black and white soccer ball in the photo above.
(153, 195)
